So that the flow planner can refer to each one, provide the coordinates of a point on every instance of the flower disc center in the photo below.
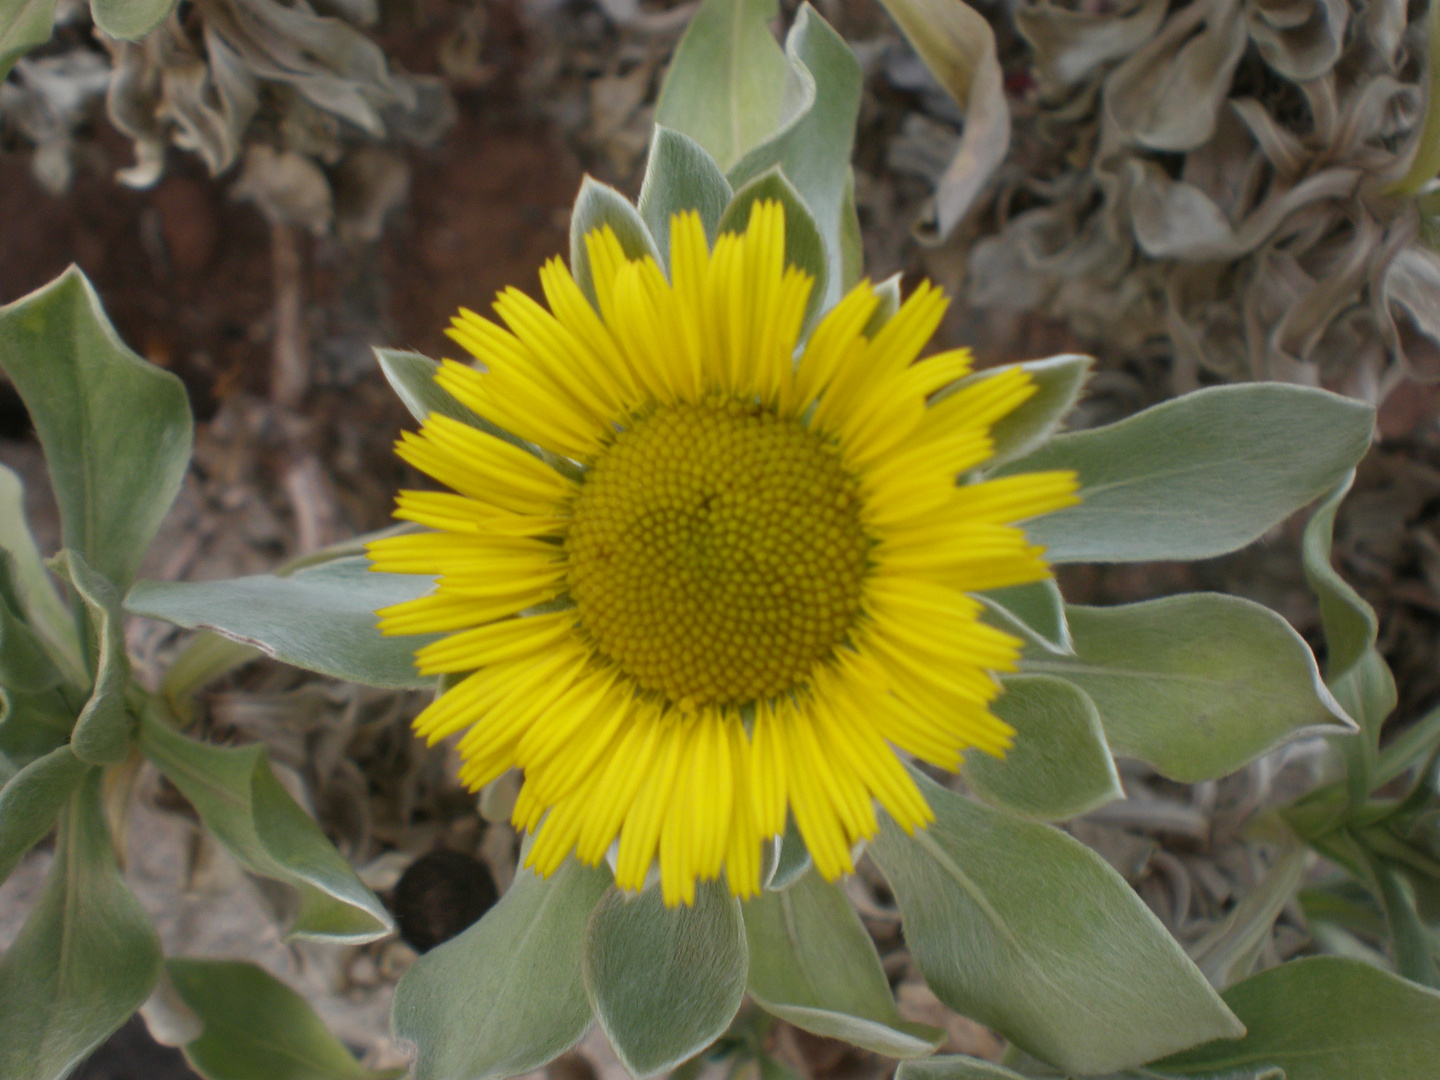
(716, 552)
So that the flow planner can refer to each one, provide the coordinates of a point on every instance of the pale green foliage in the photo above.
(129, 19)
(23, 25)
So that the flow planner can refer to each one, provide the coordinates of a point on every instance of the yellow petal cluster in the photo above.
(755, 600)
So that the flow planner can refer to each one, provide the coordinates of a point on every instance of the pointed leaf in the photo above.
(1058, 383)
(31, 800)
(32, 725)
(597, 206)
(664, 982)
(793, 860)
(116, 430)
(813, 148)
(321, 619)
(256, 1026)
(1196, 685)
(1035, 611)
(23, 25)
(812, 963)
(104, 727)
(803, 245)
(25, 663)
(243, 805)
(954, 1067)
(681, 176)
(511, 983)
(726, 84)
(1031, 933)
(39, 603)
(1325, 1018)
(86, 958)
(1199, 475)
(1060, 765)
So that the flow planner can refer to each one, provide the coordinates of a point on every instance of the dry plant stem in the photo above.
(290, 371)
(317, 516)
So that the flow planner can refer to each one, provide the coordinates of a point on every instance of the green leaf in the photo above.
(1030, 932)
(103, 729)
(1060, 765)
(954, 1067)
(129, 20)
(814, 146)
(812, 963)
(1326, 1018)
(664, 982)
(31, 800)
(85, 959)
(1196, 685)
(25, 663)
(31, 725)
(1200, 475)
(116, 430)
(888, 293)
(44, 611)
(793, 859)
(596, 206)
(681, 176)
(243, 805)
(1412, 746)
(1058, 383)
(256, 1026)
(23, 25)
(726, 87)
(511, 983)
(852, 244)
(1036, 612)
(1230, 950)
(320, 619)
(803, 246)
(1412, 946)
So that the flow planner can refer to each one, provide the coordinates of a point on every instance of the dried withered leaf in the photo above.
(1301, 39)
(1411, 310)
(289, 188)
(1069, 45)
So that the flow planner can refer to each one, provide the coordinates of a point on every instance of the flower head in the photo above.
(731, 583)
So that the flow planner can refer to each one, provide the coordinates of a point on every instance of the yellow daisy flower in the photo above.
(731, 583)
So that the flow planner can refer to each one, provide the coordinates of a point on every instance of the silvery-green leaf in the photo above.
(1325, 1018)
(242, 804)
(813, 148)
(664, 982)
(116, 430)
(1035, 611)
(793, 860)
(25, 663)
(129, 20)
(954, 1067)
(597, 206)
(1059, 766)
(1030, 932)
(511, 982)
(681, 175)
(321, 619)
(1200, 475)
(1196, 685)
(1229, 950)
(32, 799)
(23, 25)
(812, 963)
(35, 593)
(104, 726)
(31, 725)
(804, 246)
(256, 1026)
(1058, 383)
(86, 958)
(727, 80)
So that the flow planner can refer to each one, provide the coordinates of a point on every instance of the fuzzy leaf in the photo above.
(511, 982)
(243, 805)
(1195, 685)
(256, 1026)
(664, 982)
(680, 175)
(116, 430)
(1200, 475)
(104, 726)
(321, 619)
(35, 595)
(1058, 383)
(804, 246)
(31, 800)
(596, 206)
(23, 25)
(954, 1067)
(1031, 933)
(86, 958)
(812, 963)
(129, 20)
(1060, 765)
(1036, 612)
